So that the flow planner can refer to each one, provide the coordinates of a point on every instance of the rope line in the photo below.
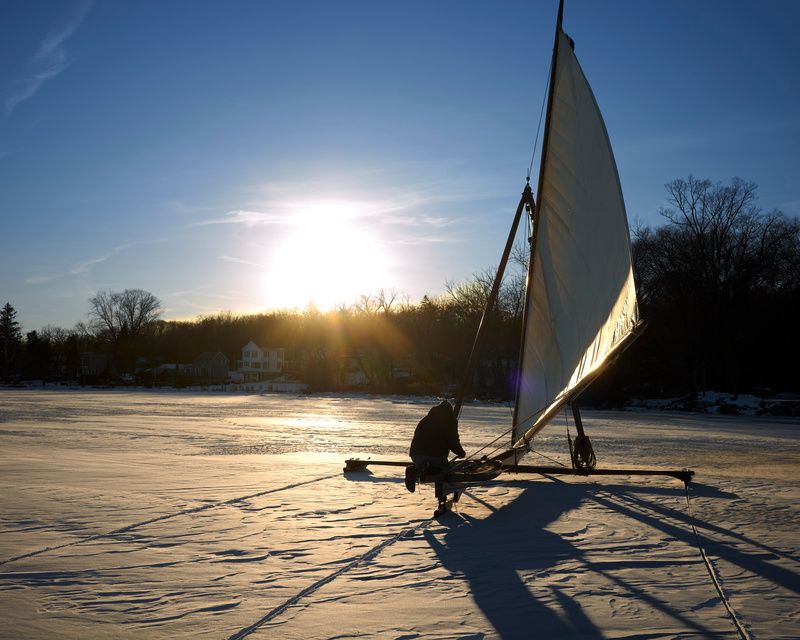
(511, 430)
(505, 433)
(489, 444)
(539, 127)
(743, 634)
(558, 462)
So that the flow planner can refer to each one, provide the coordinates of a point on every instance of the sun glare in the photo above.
(328, 257)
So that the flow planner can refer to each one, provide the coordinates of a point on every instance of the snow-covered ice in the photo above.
(188, 515)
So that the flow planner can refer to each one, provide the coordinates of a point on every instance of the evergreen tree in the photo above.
(10, 338)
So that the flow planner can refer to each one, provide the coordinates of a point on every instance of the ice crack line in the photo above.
(169, 516)
(405, 533)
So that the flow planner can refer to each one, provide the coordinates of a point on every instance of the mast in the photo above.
(535, 214)
(526, 201)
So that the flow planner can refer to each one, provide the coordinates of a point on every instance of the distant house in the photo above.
(351, 372)
(261, 363)
(166, 374)
(211, 365)
(170, 367)
(94, 364)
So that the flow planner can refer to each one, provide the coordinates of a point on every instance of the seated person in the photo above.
(435, 436)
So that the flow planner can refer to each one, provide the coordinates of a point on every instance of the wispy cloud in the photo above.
(436, 222)
(413, 241)
(402, 198)
(77, 269)
(49, 60)
(400, 211)
(249, 263)
(199, 301)
(178, 206)
(247, 218)
(87, 265)
(40, 279)
(83, 267)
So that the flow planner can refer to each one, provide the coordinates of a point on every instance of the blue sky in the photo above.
(245, 155)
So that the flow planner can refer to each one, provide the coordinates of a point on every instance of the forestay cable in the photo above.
(539, 126)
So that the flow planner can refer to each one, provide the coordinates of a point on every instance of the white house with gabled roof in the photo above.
(261, 362)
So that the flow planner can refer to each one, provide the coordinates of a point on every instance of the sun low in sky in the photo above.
(254, 155)
(292, 251)
(327, 256)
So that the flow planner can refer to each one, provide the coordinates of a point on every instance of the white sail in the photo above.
(581, 296)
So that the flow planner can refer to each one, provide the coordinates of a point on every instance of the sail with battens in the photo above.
(581, 301)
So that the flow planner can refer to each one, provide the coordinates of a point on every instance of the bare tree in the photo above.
(386, 299)
(54, 334)
(366, 304)
(103, 314)
(468, 299)
(520, 255)
(138, 309)
(724, 240)
(709, 279)
(369, 304)
(125, 314)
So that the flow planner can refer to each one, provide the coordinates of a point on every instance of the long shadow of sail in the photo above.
(675, 523)
(494, 552)
(491, 552)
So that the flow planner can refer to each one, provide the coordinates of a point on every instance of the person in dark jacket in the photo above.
(435, 437)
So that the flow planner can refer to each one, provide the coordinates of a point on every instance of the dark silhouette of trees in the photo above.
(717, 285)
(37, 356)
(65, 347)
(10, 338)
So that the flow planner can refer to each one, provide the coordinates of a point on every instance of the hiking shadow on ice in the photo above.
(516, 568)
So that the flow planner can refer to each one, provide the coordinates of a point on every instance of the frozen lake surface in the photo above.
(180, 515)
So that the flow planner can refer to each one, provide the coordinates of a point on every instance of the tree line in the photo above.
(718, 286)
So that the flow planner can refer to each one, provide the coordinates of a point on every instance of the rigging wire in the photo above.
(488, 444)
(558, 462)
(502, 435)
(530, 168)
(539, 126)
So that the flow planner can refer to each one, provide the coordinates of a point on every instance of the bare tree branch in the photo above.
(127, 314)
